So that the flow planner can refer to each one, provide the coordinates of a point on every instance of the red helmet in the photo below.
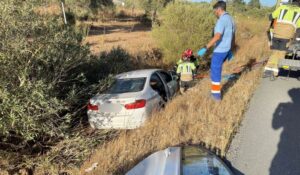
(187, 54)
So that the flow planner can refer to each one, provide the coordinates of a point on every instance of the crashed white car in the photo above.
(131, 99)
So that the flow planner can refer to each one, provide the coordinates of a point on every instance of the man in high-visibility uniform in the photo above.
(186, 70)
(287, 25)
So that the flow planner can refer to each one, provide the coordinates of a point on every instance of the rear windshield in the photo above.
(127, 85)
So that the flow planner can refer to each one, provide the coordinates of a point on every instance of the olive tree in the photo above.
(183, 26)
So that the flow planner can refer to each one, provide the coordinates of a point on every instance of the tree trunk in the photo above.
(153, 18)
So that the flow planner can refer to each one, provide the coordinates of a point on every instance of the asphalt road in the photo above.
(268, 141)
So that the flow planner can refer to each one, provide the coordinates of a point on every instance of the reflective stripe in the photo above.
(215, 83)
(272, 69)
(185, 68)
(287, 22)
(295, 19)
(295, 14)
(215, 92)
(282, 14)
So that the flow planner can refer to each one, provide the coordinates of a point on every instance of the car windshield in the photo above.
(127, 85)
(196, 161)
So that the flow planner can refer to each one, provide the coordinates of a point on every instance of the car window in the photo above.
(196, 161)
(127, 85)
(167, 77)
(155, 78)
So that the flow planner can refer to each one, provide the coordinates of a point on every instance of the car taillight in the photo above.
(136, 105)
(92, 107)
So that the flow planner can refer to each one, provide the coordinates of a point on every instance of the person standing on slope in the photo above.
(287, 17)
(223, 40)
(185, 70)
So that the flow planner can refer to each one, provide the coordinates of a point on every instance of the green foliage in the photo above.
(86, 9)
(238, 2)
(45, 74)
(254, 4)
(96, 5)
(238, 5)
(132, 4)
(262, 12)
(46, 79)
(151, 7)
(183, 26)
(33, 64)
(117, 59)
(108, 63)
(246, 10)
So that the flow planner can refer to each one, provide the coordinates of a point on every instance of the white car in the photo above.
(185, 160)
(131, 99)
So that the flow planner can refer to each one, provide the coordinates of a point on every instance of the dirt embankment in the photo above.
(192, 118)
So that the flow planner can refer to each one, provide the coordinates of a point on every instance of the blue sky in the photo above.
(263, 2)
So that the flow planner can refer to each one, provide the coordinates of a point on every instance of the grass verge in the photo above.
(192, 118)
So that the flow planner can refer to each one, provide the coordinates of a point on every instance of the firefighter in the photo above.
(287, 25)
(186, 70)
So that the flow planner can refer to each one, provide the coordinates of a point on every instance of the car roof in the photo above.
(137, 73)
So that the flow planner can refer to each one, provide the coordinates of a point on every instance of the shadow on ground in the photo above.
(287, 117)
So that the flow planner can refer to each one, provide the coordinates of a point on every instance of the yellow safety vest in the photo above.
(287, 14)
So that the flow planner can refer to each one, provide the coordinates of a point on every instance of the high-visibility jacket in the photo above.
(287, 19)
(288, 14)
(185, 69)
(195, 61)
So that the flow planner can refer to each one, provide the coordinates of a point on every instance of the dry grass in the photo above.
(189, 119)
(132, 36)
(192, 118)
(126, 12)
(49, 9)
(103, 36)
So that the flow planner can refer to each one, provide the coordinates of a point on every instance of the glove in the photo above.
(230, 56)
(202, 52)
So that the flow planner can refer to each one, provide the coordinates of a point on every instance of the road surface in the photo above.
(268, 141)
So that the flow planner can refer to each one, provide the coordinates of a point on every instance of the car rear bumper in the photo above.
(112, 121)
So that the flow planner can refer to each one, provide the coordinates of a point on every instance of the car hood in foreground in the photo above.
(189, 160)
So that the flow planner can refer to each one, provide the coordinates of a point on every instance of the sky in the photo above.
(263, 2)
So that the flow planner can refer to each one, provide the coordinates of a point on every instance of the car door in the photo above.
(172, 85)
(160, 89)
